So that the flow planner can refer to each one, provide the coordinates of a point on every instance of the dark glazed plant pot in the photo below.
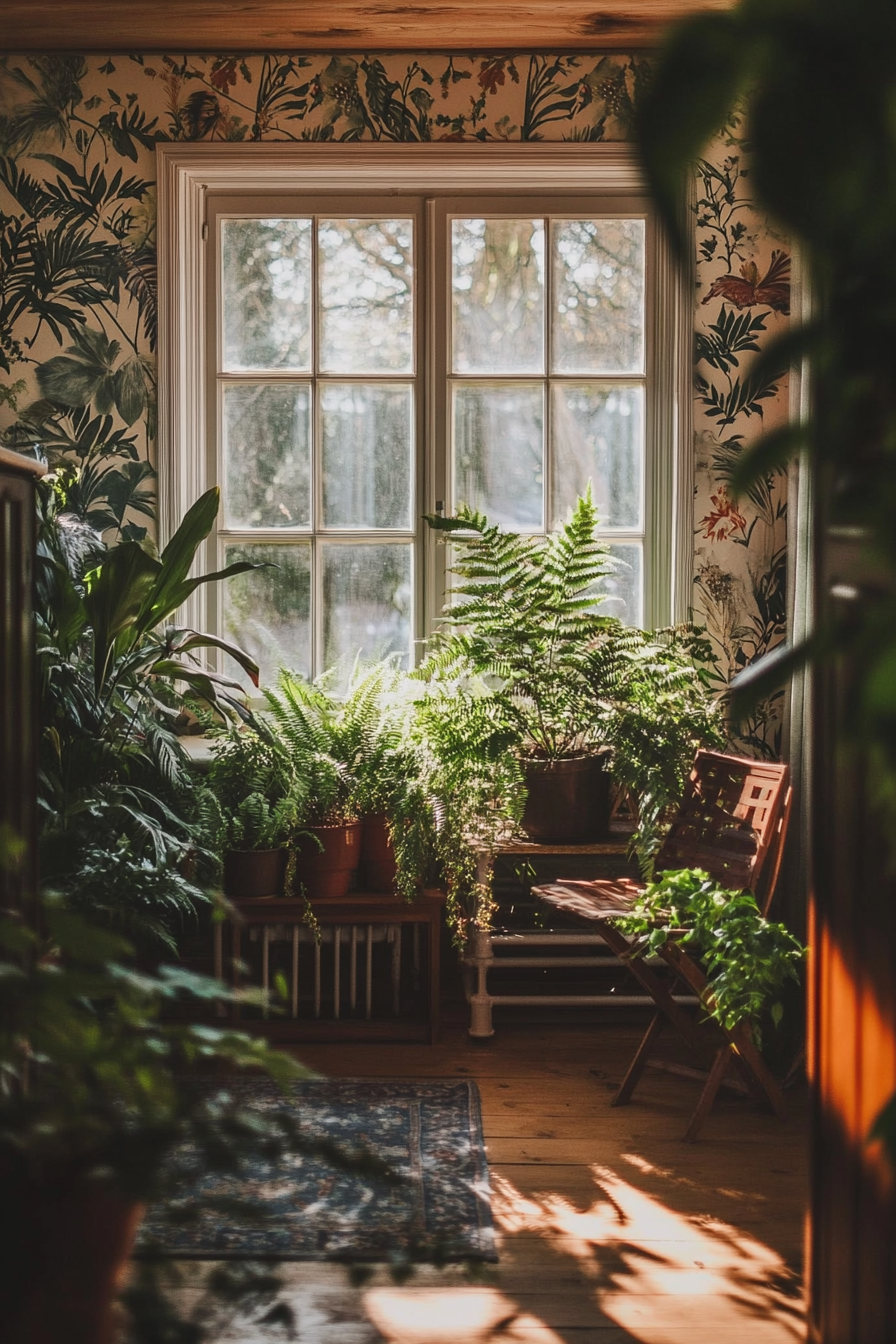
(65, 1252)
(568, 800)
(377, 855)
(254, 872)
(331, 868)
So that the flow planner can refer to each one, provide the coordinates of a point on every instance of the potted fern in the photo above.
(251, 810)
(525, 617)
(396, 809)
(321, 740)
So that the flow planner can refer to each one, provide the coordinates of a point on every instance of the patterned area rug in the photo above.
(429, 1132)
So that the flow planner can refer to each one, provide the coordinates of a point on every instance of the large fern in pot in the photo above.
(523, 617)
(525, 614)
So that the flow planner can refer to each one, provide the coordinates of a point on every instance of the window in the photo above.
(472, 334)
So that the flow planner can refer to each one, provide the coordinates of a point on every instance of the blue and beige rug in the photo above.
(430, 1134)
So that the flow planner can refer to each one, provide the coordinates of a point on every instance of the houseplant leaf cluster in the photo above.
(658, 710)
(116, 800)
(747, 958)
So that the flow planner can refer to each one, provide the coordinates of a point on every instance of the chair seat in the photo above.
(592, 900)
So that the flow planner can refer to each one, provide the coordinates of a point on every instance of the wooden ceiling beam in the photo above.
(247, 26)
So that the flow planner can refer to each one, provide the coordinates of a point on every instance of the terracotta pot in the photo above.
(329, 869)
(377, 855)
(65, 1251)
(568, 800)
(254, 872)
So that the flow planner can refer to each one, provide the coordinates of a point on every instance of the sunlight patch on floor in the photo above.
(447, 1316)
(656, 1272)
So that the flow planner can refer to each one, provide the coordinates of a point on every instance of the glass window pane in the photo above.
(598, 301)
(266, 293)
(368, 602)
(268, 611)
(497, 284)
(368, 447)
(498, 452)
(366, 295)
(598, 436)
(624, 587)
(267, 455)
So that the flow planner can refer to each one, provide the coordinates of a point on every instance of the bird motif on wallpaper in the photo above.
(747, 290)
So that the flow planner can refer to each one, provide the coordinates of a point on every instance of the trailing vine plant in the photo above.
(747, 959)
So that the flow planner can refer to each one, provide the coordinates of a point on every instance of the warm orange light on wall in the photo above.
(852, 1042)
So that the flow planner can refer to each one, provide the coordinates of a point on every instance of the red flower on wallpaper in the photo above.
(724, 519)
(493, 73)
(747, 290)
(224, 73)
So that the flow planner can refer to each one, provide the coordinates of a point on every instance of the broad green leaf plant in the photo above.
(115, 795)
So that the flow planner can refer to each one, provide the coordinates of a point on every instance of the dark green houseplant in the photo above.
(91, 1106)
(250, 809)
(116, 798)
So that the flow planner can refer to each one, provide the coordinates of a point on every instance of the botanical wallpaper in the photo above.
(78, 278)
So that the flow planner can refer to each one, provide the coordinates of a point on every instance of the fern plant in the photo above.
(389, 768)
(357, 755)
(248, 760)
(527, 611)
(323, 740)
(255, 823)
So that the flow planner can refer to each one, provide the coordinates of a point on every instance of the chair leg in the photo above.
(637, 1066)
(709, 1093)
(745, 1046)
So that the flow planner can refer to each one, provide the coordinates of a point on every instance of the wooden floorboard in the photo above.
(610, 1229)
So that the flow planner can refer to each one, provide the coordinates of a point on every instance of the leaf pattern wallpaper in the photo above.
(78, 275)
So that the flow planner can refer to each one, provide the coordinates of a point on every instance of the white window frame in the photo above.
(187, 172)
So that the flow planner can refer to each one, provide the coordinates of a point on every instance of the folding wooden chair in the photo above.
(732, 822)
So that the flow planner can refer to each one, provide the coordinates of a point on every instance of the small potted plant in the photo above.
(251, 810)
(321, 743)
(253, 841)
(387, 767)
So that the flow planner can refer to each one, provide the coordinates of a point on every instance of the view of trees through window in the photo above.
(320, 385)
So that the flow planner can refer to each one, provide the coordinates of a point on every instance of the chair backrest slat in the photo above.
(733, 814)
